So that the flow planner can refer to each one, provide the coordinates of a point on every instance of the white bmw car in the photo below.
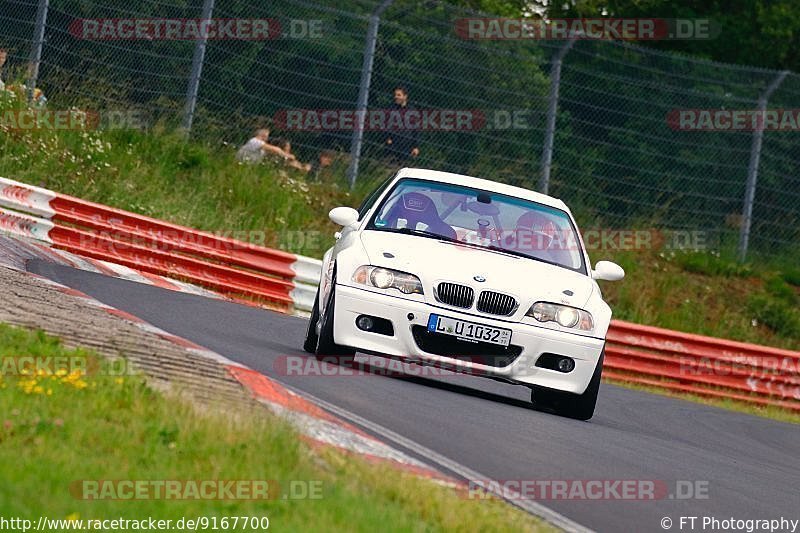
(471, 275)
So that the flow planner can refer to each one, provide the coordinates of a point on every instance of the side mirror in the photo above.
(343, 216)
(608, 271)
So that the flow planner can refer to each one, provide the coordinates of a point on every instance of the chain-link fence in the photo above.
(616, 148)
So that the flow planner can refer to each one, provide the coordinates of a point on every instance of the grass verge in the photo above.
(60, 425)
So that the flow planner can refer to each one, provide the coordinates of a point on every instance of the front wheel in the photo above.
(310, 344)
(578, 406)
(326, 349)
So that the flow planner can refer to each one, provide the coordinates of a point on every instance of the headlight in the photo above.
(386, 278)
(565, 316)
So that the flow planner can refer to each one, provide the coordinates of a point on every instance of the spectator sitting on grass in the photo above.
(317, 170)
(289, 158)
(253, 151)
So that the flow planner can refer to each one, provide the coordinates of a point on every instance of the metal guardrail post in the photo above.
(36, 47)
(363, 91)
(752, 168)
(197, 69)
(552, 108)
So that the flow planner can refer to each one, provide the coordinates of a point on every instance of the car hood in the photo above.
(433, 261)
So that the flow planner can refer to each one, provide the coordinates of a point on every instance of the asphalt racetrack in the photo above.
(749, 465)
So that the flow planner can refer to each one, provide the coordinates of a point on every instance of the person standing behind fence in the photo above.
(254, 150)
(401, 144)
(3, 57)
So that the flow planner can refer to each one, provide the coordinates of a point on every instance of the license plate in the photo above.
(468, 330)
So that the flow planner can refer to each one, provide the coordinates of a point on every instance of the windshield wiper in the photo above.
(515, 253)
(526, 256)
(424, 233)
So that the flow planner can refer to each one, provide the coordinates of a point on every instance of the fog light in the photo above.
(365, 323)
(566, 364)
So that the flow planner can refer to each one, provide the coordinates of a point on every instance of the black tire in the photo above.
(578, 406)
(310, 344)
(326, 349)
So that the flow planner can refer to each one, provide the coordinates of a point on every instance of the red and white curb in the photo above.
(97, 266)
(314, 423)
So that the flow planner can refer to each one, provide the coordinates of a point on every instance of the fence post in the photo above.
(552, 108)
(197, 69)
(363, 91)
(752, 167)
(36, 47)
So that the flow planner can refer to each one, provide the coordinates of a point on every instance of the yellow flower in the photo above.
(72, 517)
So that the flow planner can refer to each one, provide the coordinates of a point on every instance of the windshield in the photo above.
(480, 218)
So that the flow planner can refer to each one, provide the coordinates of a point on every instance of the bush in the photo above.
(792, 276)
(776, 314)
(777, 287)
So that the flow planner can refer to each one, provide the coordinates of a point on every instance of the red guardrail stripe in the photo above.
(107, 219)
(700, 391)
(170, 242)
(689, 343)
(220, 278)
(750, 385)
(689, 365)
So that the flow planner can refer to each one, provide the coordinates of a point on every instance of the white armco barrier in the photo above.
(26, 226)
(307, 272)
(26, 198)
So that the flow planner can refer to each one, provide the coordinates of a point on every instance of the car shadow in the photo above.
(395, 373)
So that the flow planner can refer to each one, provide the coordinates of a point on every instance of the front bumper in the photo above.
(533, 341)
